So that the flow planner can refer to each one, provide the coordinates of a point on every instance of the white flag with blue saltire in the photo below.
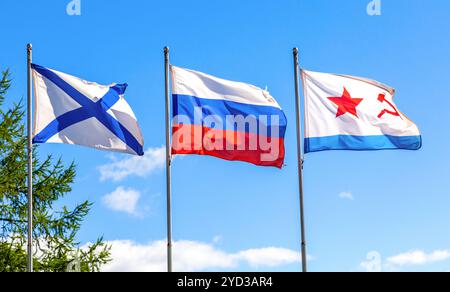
(70, 110)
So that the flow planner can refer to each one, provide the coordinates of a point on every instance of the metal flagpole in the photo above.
(168, 164)
(30, 162)
(300, 161)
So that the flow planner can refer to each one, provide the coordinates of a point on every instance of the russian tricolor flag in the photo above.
(226, 119)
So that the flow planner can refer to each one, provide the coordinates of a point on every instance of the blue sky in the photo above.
(232, 212)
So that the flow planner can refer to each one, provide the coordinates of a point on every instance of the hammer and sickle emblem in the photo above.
(393, 112)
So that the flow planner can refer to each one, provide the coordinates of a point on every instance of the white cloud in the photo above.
(189, 256)
(269, 257)
(346, 196)
(418, 257)
(123, 200)
(118, 170)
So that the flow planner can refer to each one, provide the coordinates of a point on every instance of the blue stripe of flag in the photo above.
(361, 143)
(185, 105)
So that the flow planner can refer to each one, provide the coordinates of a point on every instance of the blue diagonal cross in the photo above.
(88, 109)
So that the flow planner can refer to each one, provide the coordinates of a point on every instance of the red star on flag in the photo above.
(346, 104)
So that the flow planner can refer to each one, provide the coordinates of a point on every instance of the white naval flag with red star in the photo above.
(351, 113)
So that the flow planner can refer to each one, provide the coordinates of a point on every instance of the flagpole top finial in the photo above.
(295, 50)
(166, 49)
(29, 46)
